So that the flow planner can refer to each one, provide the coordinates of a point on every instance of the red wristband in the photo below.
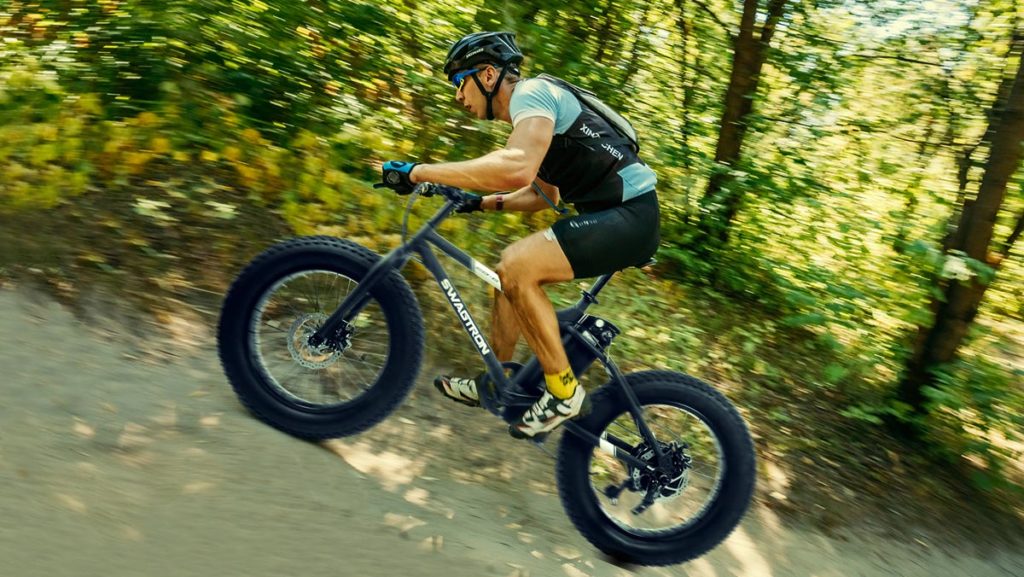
(499, 202)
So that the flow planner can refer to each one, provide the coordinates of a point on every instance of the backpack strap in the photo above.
(616, 139)
(536, 188)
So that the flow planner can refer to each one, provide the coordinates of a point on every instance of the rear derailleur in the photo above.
(664, 483)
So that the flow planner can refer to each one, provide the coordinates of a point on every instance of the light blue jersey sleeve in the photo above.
(537, 97)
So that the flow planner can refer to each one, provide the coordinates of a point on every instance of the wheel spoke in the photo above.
(293, 309)
(316, 294)
(358, 372)
(365, 353)
(690, 490)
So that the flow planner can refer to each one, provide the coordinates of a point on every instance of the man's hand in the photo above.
(472, 203)
(395, 175)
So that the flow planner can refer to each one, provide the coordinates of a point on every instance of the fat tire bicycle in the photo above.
(321, 337)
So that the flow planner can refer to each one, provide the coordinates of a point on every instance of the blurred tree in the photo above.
(750, 48)
(970, 260)
(828, 141)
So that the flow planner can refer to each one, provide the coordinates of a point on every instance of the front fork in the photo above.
(336, 329)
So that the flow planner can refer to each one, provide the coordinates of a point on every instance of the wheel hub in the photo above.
(305, 354)
(668, 482)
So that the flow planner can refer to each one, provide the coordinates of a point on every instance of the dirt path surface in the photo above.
(120, 459)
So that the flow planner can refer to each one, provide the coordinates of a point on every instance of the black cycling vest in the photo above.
(585, 161)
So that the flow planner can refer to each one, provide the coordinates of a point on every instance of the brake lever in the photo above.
(424, 189)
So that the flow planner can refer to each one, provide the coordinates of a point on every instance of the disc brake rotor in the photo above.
(302, 352)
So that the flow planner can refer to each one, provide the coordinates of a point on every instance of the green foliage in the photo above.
(160, 124)
(975, 417)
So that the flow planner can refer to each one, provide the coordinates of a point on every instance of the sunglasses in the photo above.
(459, 78)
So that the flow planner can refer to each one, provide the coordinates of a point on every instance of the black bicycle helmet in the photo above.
(496, 48)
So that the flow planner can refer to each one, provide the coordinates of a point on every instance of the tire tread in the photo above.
(402, 299)
(672, 550)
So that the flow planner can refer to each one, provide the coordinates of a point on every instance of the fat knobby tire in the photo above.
(717, 521)
(392, 293)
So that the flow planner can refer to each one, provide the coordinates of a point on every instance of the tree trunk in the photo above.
(605, 32)
(1004, 252)
(638, 45)
(685, 32)
(937, 344)
(721, 200)
(965, 161)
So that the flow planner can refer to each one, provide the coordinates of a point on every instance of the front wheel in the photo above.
(331, 390)
(705, 485)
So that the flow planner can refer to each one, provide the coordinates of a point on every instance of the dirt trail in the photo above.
(136, 460)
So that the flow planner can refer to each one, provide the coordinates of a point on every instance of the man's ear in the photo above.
(491, 76)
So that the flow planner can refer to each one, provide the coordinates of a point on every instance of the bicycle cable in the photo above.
(408, 210)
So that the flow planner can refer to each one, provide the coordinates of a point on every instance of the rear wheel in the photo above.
(335, 389)
(700, 495)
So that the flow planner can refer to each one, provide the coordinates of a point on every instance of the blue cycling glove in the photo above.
(395, 175)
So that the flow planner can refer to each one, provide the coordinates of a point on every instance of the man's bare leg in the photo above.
(523, 306)
(504, 328)
(525, 266)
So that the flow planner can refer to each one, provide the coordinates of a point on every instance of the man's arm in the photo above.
(512, 167)
(525, 199)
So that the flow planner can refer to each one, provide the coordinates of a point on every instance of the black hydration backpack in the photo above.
(591, 101)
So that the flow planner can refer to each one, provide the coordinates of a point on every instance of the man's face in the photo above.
(468, 93)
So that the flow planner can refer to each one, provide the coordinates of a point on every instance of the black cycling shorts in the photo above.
(611, 239)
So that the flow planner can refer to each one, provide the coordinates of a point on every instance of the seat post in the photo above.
(597, 286)
(590, 295)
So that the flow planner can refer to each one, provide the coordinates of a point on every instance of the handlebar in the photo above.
(455, 196)
(451, 193)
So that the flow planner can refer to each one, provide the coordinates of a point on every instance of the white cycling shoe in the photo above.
(548, 413)
(458, 389)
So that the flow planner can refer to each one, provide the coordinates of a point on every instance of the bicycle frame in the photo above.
(420, 244)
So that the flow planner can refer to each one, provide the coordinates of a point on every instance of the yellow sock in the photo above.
(563, 384)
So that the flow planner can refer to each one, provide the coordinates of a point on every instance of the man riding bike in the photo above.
(559, 149)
